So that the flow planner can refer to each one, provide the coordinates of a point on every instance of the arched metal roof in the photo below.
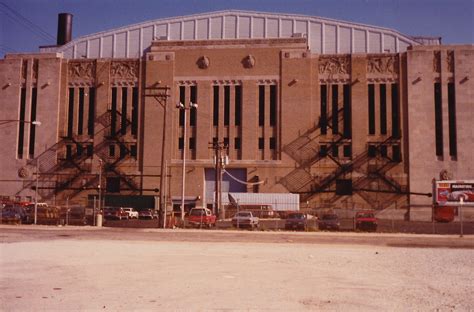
(325, 36)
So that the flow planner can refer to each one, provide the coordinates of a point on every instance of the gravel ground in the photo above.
(122, 275)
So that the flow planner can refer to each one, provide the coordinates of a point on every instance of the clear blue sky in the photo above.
(453, 20)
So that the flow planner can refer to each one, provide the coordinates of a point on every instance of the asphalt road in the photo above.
(20, 233)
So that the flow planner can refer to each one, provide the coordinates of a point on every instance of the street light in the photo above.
(183, 107)
(34, 123)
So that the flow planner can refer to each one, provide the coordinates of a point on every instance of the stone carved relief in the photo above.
(24, 69)
(382, 64)
(248, 61)
(437, 61)
(450, 61)
(81, 70)
(334, 65)
(124, 70)
(35, 69)
(203, 62)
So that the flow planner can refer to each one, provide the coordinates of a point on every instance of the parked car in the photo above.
(245, 219)
(15, 214)
(201, 217)
(115, 213)
(297, 221)
(132, 213)
(366, 221)
(147, 214)
(329, 221)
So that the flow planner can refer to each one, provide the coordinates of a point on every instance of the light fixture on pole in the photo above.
(183, 107)
(34, 123)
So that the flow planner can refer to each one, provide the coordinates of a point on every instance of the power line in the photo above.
(20, 19)
(7, 49)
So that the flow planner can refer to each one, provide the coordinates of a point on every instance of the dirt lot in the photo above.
(72, 268)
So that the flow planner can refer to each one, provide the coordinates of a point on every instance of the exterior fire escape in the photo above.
(369, 171)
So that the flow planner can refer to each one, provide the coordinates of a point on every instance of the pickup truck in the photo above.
(245, 219)
(366, 221)
(201, 217)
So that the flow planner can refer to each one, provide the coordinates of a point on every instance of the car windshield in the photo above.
(330, 217)
(197, 212)
(365, 215)
(243, 214)
(296, 216)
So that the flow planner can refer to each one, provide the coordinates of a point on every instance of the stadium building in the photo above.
(343, 114)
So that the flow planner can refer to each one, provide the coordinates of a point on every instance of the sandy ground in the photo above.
(124, 275)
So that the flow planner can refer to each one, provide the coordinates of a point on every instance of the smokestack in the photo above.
(64, 28)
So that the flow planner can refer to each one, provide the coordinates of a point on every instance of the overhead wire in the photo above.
(25, 22)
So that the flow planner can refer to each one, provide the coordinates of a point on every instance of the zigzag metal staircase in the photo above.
(59, 172)
(306, 151)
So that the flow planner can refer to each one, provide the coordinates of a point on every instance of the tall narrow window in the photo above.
(261, 105)
(113, 117)
(135, 111)
(124, 120)
(273, 105)
(371, 109)
(395, 112)
(192, 110)
(91, 120)
(182, 100)
(383, 109)
(323, 116)
(438, 119)
(70, 115)
(216, 106)
(238, 105)
(452, 120)
(34, 96)
(237, 143)
(261, 143)
(347, 112)
(192, 143)
(334, 107)
(272, 143)
(21, 124)
(80, 117)
(226, 105)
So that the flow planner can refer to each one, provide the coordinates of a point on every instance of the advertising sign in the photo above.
(450, 193)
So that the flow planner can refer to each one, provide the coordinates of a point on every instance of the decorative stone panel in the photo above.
(203, 62)
(124, 72)
(334, 67)
(450, 61)
(382, 67)
(81, 72)
(437, 61)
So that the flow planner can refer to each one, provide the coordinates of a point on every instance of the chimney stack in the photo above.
(64, 28)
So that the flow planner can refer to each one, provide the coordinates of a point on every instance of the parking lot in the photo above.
(116, 269)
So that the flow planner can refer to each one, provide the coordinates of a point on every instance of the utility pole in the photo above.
(161, 95)
(100, 187)
(36, 189)
(220, 160)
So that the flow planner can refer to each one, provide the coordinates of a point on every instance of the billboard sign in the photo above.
(450, 193)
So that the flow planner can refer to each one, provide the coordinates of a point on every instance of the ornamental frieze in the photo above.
(124, 70)
(334, 65)
(81, 70)
(382, 64)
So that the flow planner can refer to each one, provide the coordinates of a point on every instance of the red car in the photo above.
(115, 213)
(366, 221)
